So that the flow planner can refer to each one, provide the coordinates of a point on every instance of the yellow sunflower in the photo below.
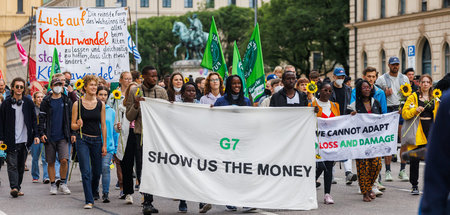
(186, 80)
(406, 89)
(3, 147)
(437, 93)
(117, 94)
(79, 84)
(311, 87)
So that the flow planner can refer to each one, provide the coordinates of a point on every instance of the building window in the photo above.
(317, 61)
(403, 60)
(446, 3)
(447, 58)
(424, 5)
(402, 7)
(383, 9)
(19, 6)
(167, 3)
(426, 58)
(123, 2)
(364, 10)
(187, 3)
(145, 3)
(210, 4)
(231, 2)
(364, 60)
(383, 61)
(99, 3)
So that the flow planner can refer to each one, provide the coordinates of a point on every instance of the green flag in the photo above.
(213, 58)
(55, 67)
(237, 68)
(254, 66)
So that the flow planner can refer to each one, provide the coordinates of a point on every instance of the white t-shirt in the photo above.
(21, 129)
(326, 107)
(393, 99)
(294, 100)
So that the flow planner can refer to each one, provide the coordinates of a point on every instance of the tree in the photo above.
(292, 29)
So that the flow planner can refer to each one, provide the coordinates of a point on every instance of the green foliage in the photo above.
(290, 31)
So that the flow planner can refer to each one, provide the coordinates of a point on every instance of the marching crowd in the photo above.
(88, 124)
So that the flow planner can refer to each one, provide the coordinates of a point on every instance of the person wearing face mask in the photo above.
(342, 95)
(268, 91)
(55, 132)
(275, 87)
(175, 84)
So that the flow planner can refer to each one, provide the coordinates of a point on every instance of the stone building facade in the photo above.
(379, 29)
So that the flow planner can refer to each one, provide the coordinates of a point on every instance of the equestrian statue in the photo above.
(194, 39)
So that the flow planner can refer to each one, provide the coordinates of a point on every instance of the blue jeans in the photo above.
(36, 150)
(89, 150)
(106, 177)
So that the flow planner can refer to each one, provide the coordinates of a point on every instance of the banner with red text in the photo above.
(88, 40)
(241, 156)
(357, 137)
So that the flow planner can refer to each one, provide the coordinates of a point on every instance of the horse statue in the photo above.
(194, 46)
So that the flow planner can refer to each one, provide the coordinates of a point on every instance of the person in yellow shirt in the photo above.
(420, 104)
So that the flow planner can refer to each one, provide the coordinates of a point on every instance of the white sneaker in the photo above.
(380, 186)
(53, 189)
(377, 192)
(129, 199)
(88, 206)
(64, 189)
(328, 200)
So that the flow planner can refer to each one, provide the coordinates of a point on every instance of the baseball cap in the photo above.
(56, 81)
(339, 71)
(394, 60)
(271, 76)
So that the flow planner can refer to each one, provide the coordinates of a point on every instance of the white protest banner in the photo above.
(357, 137)
(242, 156)
(88, 41)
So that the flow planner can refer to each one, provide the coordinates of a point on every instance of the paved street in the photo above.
(37, 199)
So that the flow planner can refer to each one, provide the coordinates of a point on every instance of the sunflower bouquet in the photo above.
(437, 93)
(79, 86)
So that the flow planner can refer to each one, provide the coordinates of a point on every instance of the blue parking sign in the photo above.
(411, 51)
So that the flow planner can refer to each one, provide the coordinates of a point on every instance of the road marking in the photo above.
(266, 212)
(2, 213)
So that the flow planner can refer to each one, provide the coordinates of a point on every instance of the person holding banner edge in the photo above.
(327, 109)
(367, 169)
(148, 88)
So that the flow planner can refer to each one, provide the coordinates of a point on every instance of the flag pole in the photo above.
(29, 46)
(129, 31)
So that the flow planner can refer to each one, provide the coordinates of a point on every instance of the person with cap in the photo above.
(342, 95)
(268, 91)
(390, 83)
(55, 132)
(410, 74)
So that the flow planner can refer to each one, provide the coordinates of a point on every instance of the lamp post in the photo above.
(136, 66)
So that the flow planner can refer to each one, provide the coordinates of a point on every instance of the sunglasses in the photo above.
(19, 87)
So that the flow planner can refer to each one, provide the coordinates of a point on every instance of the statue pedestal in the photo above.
(189, 68)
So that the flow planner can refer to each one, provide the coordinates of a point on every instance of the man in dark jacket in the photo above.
(18, 129)
(342, 95)
(55, 132)
(289, 96)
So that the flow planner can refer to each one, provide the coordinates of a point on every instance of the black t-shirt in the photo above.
(340, 98)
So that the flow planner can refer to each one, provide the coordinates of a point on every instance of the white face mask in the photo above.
(277, 88)
(339, 82)
(177, 89)
(57, 89)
